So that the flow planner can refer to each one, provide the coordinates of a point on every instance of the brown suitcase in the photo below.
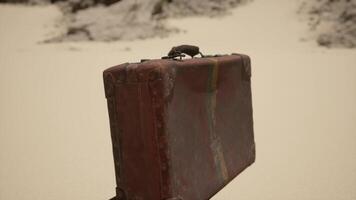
(181, 128)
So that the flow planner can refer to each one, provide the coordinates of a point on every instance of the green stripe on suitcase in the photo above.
(216, 146)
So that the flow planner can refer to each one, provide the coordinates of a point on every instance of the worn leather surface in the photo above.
(181, 129)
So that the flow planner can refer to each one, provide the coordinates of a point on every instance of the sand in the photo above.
(54, 130)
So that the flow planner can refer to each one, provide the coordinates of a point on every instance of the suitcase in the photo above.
(181, 129)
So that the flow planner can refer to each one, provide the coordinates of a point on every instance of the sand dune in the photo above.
(54, 131)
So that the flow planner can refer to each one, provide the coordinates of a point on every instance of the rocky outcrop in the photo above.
(70, 5)
(333, 21)
(108, 20)
(125, 20)
(139, 19)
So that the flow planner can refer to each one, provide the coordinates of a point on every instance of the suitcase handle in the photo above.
(179, 51)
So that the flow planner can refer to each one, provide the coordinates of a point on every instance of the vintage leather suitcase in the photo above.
(181, 128)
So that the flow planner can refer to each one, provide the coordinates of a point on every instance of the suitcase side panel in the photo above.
(195, 174)
(135, 147)
(141, 152)
(109, 84)
(239, 111)
(209, 125)
(140, 163)
(234, 116)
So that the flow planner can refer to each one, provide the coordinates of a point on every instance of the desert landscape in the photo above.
(54, 128)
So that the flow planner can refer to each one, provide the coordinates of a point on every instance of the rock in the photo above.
(334, 22)
(108, 20)
(139, 19)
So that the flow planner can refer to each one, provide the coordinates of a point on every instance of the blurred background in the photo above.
(54, 129)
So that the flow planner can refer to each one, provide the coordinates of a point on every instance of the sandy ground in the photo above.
(54, 131)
